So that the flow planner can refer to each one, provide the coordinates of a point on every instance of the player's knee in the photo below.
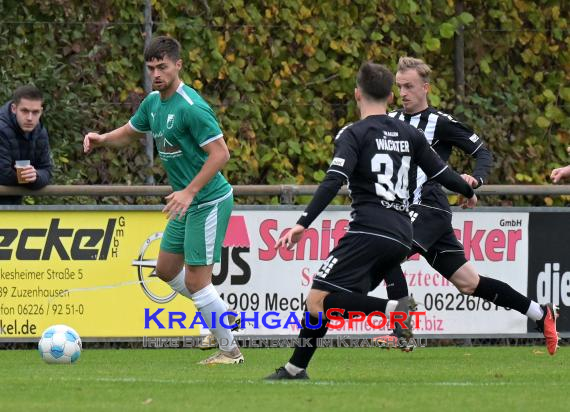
(164, 275)
(314, 306)
(166, 269)
(465, 279)
(198, 277)
(194, 284)
(467, 289)
(467, 284)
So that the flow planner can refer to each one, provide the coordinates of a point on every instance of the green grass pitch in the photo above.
(342, 379)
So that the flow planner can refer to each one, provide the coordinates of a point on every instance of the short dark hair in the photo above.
(375, 81)
(29, 91)
(162, 46)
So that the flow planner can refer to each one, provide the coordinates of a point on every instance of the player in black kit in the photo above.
(430, 212)
(375, 156)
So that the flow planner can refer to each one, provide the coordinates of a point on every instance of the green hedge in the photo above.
(281, 77)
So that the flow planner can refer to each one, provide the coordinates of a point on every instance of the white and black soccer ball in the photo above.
(60, 344)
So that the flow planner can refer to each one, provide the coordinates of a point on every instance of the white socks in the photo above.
(292, 369)
(179, 284)
(207, 301)
(534, 311)
(390, 307)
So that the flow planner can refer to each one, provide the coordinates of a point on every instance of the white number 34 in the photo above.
(383, 165)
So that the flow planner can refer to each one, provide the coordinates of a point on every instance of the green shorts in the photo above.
(199, 235)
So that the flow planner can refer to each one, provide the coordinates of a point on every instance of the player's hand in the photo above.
(471, 181)
(560, 173)
(291, 237)
(92, 140)
(178, 204)
(468, 203)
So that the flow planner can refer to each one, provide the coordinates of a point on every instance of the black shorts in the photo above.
(356, 260)
(435, 241)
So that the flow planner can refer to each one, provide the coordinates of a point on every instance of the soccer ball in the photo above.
(60, 344)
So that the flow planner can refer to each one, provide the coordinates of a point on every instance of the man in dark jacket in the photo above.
(23, 137)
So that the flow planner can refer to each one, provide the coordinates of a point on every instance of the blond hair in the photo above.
(411, 63)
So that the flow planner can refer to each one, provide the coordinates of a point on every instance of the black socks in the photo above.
(501, 294)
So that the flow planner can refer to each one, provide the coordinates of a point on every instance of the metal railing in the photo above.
(286, 192)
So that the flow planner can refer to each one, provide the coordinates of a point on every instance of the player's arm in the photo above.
(202, 126)
(218, 156)
(435, 168)
(470, 143)
(136, 127)
(342, 165)
(118, 137)
(452, 181)
(325, 193)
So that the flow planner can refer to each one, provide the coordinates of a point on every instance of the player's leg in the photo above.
(396, 284)
(468, 281)
(209, 341)
(209, 303)
(448, 258)
(429, 225)
(397, 290)
(341, 283)
(205, 231)
(350, 273)
(170, 263)
(435, 240)
(312, 329)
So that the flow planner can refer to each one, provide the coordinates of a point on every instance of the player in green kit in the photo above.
(192, 148)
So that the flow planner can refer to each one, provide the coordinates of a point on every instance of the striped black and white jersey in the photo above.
(443, 132)
(374, 156)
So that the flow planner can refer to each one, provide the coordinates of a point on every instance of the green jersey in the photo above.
(181, 125)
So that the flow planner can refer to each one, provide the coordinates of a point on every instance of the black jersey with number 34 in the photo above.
(375, 155)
